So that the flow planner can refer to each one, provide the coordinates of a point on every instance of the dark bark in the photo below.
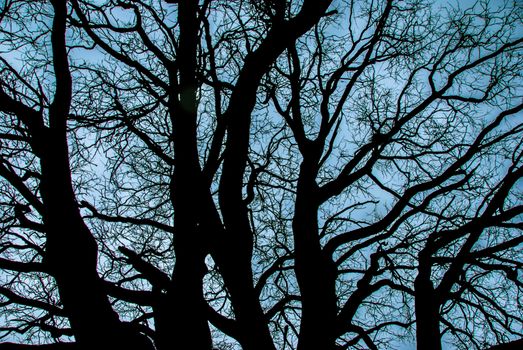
(71, 251)
(315, 272)
(513, 345)
(235, 258)
(253, 332)
(426, 303)
(181, 313)
(428, 335)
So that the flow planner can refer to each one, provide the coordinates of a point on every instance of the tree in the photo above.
(260, 174)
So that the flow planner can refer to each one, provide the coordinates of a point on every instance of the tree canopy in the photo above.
(261, 174)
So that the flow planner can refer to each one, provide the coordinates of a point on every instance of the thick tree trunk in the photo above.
(71, 256)
(316, 273)
(428, 336)
(231, 249)
(234, 260)
(181, 314)
(181, 318)
(71, 251)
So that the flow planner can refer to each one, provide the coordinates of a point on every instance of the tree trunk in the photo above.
(71, 250)
(180, 316)
(316, 273)
(428, 336)
(234, 261)
(72, 254)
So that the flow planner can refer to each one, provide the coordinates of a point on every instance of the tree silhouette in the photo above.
(260, 174)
